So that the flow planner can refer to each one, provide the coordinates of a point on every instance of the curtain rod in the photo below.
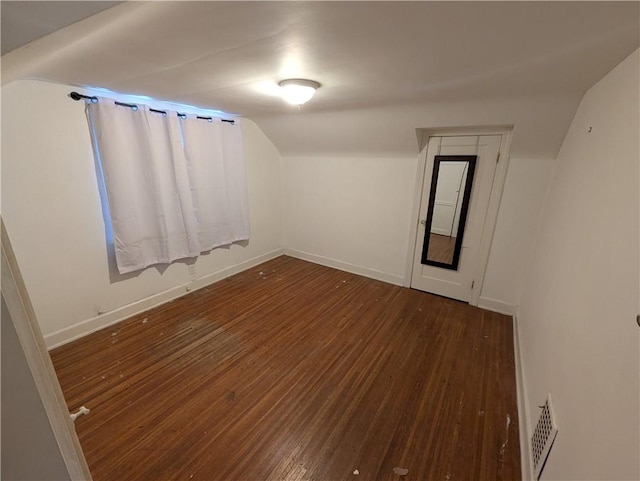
(94, 99)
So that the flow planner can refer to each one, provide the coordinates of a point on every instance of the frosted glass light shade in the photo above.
(298, 91)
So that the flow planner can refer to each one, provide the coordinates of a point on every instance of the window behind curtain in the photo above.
(175, 186)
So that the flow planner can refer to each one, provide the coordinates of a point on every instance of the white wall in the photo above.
(52, 211)
(352, 213)
(513, 240)
(577, 320)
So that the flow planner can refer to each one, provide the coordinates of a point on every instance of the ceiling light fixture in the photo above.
(297, 91)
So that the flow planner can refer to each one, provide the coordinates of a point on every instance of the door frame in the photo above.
(32, 343)
(495, 198)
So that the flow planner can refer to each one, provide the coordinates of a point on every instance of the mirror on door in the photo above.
(447, 211)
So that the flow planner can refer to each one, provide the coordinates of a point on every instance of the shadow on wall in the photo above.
(115, 276)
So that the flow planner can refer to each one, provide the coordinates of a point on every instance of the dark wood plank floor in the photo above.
(293, 371)
(441, 248)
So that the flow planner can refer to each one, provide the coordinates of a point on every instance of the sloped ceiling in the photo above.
(386, 68)
(26, 21)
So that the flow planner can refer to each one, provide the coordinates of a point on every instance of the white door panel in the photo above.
(443, 214)
(444, 281)
(447, 197)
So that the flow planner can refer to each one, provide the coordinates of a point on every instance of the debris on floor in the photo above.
(401, 471)
(81, 411)
(356, 472)
(506, 441)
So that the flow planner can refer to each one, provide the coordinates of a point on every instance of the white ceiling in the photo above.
(391, 59)
(25, 21)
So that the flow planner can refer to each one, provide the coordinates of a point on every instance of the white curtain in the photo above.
(175, 187)
(216, 169)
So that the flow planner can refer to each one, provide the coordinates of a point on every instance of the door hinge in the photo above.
(498, 157)
(473, 283)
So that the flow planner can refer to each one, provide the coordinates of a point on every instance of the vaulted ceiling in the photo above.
(415, 64)
(26, 21)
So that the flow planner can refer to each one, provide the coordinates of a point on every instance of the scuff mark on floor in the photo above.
(506, 440)
(400, 471)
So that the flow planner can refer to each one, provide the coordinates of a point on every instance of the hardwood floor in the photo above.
(441, 248)
(293, 371)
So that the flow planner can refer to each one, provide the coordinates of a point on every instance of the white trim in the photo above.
(497, 306)
(523, 408)
(415, 213)
(424, 134)
(82, 328)
(345, 266)
(32, 343)
(491, 219)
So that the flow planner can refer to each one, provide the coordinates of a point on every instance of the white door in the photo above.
(454, 279)
(447, 204)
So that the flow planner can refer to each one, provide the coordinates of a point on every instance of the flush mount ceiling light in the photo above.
(297, 91)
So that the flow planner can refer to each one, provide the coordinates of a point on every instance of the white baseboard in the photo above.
(345, 266)
(523, 408)
(497, 306)
(82, 328)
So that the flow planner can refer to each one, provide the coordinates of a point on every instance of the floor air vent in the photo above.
(543, 437)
